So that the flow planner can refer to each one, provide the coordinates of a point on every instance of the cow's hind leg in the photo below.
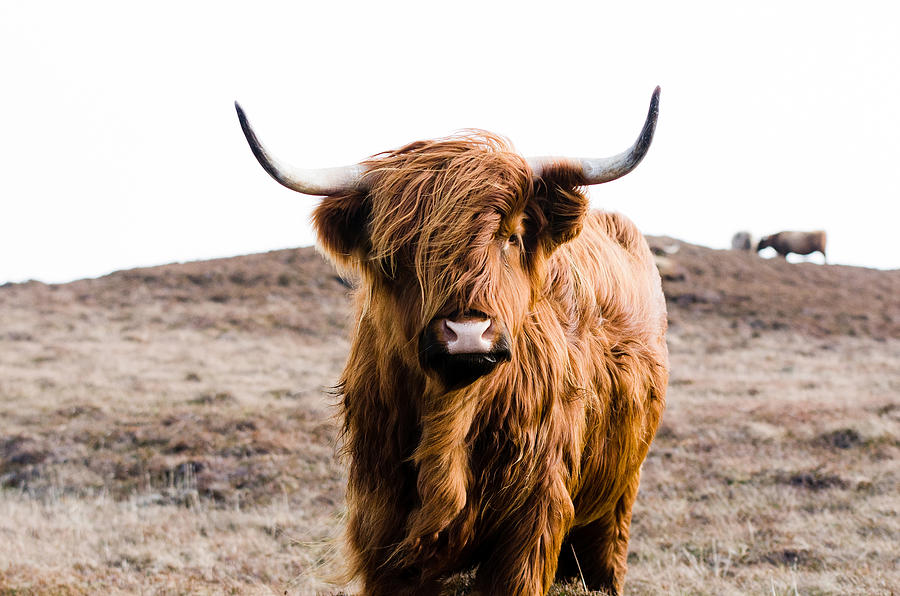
(597, 553)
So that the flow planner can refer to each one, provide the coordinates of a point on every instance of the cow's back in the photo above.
(618, 293)
(610, 268)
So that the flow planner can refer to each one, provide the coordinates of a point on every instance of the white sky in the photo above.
(120, 146)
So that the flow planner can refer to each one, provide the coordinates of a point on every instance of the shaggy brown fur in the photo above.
(538, 458)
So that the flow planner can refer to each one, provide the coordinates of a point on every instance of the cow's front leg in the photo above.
(374, 533)
(375, 527)
(525, 551)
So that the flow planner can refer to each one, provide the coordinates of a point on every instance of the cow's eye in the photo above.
(512, 240)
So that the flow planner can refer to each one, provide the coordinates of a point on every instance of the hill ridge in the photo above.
(709, 287)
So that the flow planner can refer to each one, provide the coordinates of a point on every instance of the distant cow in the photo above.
(801, 243)
(742, 241)
(508, 365)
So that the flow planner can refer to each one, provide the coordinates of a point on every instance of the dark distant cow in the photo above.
(801, 243)
(508, 365)
(742, 241)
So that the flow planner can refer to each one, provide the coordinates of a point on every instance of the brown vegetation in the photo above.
(171, 430)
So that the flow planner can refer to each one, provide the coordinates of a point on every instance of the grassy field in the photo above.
(171, 430)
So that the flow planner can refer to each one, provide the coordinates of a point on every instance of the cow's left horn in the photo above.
(324, 181)
(604, 169)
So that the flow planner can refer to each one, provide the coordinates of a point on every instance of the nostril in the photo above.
(449, 333)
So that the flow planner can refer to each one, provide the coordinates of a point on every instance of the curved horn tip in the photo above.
(600, 170)
(245, 127)
(320, 182)
(650, 123)
(605, 170)
(654, 100)
(256, 147)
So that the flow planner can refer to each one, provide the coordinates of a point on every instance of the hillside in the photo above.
(171, 429)
(806, 298)
(297, 290)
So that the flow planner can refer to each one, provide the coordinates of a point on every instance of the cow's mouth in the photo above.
(458, 370)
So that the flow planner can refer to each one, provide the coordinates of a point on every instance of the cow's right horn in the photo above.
(605, 169)
(324, 181)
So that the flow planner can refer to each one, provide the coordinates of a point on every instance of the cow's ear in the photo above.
(341, 223)
(562, 206)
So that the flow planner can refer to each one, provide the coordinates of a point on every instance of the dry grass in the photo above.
(170, 431)
(90, 545)
(774, 471)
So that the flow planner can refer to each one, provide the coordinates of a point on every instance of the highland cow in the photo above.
(742, 241)
(508, 364)
(801, 243)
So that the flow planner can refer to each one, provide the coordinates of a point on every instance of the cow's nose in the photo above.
(468, 337)
(461, 349)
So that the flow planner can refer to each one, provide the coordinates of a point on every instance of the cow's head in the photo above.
(451, 236)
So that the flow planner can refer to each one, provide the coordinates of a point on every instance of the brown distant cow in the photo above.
(508, 365)
(801, 243)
